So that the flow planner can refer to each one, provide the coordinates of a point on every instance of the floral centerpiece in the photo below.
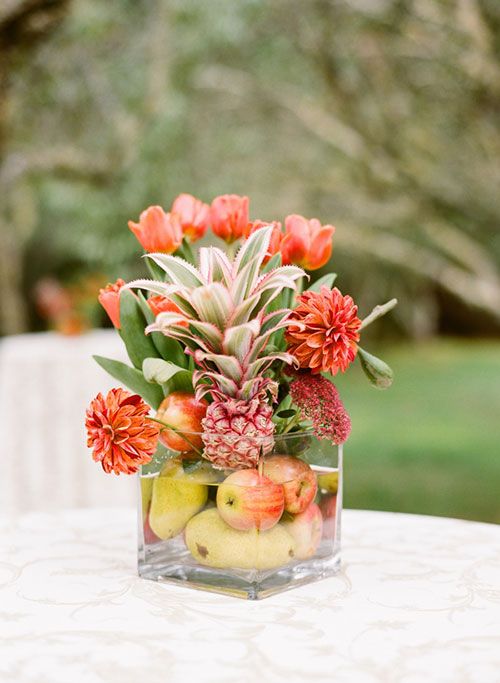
(232, 421)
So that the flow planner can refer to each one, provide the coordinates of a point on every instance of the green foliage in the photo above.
(169, 349)
(169, 376)
(133, 379)
(378, 372)
(132, 325)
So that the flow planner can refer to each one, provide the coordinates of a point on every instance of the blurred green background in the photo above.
(380, 116)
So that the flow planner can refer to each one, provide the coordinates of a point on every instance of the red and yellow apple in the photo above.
(184, 413)
(149, 535)
(328, 506)
(247, 500)
(305, 529)
(298, 479)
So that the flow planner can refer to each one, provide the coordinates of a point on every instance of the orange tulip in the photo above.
(194, 215)
(162, 304)
(229, 216)
(276, 236)
(109, 298)
(306, 243)
(157, 230)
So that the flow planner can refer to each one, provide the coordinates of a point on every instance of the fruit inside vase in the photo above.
(249, 532)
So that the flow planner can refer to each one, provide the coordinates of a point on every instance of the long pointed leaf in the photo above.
(256, 245)
(215, 265)
(227, 365)
(261, 364)
(162, 372)
(132, 330)
(213, 304)
(327, 280)
(177, 270)
(170, 349)
(133, 379)
(238, 340)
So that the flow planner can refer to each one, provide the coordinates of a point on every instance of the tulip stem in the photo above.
(177, 431)
(378, 312)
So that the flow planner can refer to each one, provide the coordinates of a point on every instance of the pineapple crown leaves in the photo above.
(222, 320)
(242, 293)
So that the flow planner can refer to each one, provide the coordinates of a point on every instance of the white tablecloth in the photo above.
(46, 383)
(418, 601)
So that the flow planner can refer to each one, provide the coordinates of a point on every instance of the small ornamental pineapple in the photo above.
(225, 328)
(236, 431)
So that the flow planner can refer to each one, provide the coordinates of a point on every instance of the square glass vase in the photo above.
(244, 534)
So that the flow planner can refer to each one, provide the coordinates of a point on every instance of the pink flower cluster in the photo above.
(319, 401)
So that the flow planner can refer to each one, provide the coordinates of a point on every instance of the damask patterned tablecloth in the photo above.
(418, 600)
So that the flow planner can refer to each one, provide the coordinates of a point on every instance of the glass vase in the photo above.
(248, 536)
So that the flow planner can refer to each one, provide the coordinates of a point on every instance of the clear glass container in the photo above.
(247, 533)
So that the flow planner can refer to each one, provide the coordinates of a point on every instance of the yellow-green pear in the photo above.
(175, 499)
(146, 493)
(214, 543)
(329, 482)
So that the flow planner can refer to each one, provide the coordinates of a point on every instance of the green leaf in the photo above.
(285, 414)
(155, 271)
(160, 457)
(327, 280)
(133, 379)
(170, 376)
(177, 270)
(274, 262)
(169, 349)
(132, 322)
(255, 246)
(213, 304)
(378, 372)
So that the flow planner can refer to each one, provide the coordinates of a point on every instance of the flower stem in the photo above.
(378, 312)
(177, 431)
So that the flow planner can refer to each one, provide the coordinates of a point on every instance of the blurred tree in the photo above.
(379, 115)
(23, 25)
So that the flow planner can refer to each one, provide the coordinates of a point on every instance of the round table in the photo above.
(418, 599)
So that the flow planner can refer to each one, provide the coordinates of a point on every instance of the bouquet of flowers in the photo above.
(233, 422)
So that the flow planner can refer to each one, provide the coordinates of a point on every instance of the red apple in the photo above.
(182, 411)
(149, 535)
(305, 529)
(328, 508)
(247, 500)
(298, 479)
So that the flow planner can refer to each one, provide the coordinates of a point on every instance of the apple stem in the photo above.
(260, 467)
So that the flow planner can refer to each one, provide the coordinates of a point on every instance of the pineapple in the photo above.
(224, 326)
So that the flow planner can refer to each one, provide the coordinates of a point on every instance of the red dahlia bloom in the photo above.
(319, 401)
(109, 298)
(324, 331)
(119, 431)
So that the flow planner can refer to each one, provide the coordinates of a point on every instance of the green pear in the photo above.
(146, 493)
(329, 482)
(214, 543)
(175, 499)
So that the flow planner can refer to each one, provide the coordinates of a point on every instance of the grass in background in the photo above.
(431, 443)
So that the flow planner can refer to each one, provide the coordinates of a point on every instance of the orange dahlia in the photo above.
(324, 331)
(119, 431)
